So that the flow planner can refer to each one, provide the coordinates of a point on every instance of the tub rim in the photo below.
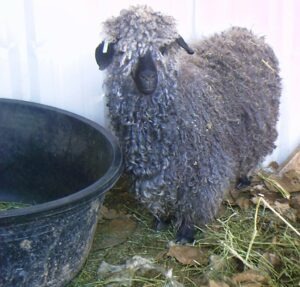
(96, 189)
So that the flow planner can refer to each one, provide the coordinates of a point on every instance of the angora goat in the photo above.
(191, 122)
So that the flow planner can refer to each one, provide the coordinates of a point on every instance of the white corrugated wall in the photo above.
(47, 49)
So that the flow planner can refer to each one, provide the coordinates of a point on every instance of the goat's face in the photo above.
(143, 42)
(145, 76)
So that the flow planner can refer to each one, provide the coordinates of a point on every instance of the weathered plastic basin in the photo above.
(61, 164)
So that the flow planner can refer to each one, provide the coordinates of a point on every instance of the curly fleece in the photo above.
(211, 120)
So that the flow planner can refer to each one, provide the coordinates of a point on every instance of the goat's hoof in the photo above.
(243, 182)
(161, 225)
(185, 236)
(184, 240)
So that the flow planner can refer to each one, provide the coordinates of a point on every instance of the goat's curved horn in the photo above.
(184, 45)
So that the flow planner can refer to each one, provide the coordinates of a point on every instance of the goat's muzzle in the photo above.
(145, 76)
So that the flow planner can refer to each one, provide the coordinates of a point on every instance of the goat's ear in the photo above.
(104, 54)
(180, 41)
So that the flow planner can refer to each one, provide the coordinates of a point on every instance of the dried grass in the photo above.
(258, 239)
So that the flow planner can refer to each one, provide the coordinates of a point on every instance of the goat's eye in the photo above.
(163, 49)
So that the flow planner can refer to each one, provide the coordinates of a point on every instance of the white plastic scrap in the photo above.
(123, 275)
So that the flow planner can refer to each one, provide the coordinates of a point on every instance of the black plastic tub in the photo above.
(61, 165)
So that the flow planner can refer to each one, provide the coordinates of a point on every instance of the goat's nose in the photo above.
(145, 76)
(146, 81)
(148, 76)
